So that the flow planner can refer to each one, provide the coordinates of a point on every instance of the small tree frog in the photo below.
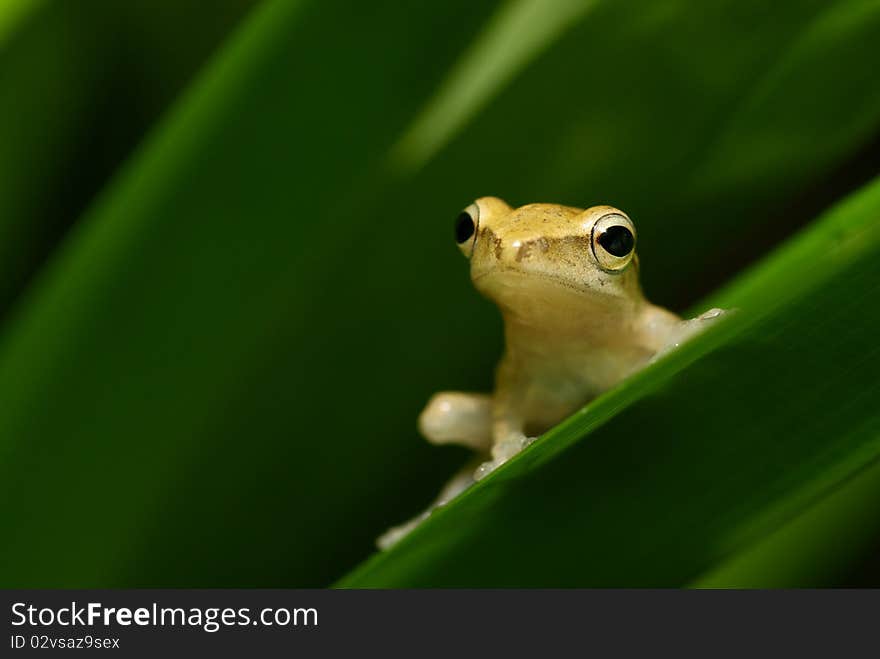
(566, 281)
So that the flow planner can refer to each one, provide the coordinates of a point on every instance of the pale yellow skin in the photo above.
(575, 324)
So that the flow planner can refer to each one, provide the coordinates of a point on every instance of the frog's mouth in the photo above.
(525, 278)
(553, 307)
(508, 285)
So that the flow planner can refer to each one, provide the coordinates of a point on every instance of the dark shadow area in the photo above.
(91, 81)
(783, 221)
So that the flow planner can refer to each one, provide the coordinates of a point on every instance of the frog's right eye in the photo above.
(466, 228)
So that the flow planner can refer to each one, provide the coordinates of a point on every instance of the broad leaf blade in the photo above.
(80, 85)
(172, 338)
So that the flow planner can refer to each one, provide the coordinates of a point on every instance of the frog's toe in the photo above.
(396, 533)
(502, 451)
(711, 314)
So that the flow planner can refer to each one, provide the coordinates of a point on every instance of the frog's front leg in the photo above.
(678, 331)
(456, 417)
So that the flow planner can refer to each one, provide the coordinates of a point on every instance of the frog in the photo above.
(576, 323)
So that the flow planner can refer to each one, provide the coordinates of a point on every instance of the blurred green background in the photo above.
(228, 285)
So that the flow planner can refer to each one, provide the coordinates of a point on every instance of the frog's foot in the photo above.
(462, 479)
(396, 533)
(688, 328)
(502, 451)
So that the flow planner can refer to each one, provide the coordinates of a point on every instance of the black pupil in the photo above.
(464, 228)
(617, 240)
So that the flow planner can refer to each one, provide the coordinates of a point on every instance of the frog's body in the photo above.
(575, 324)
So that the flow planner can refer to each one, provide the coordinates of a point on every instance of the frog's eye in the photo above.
(466, 228)
(613, 242)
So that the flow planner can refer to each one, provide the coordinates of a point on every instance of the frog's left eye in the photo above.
(466, 228)
(613, 242)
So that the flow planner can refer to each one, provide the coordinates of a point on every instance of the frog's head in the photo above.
(540, 250)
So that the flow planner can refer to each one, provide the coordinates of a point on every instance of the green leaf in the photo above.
(81, 83)
(824, 544)
(163, 367)
(226, 357)
(695, 457)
